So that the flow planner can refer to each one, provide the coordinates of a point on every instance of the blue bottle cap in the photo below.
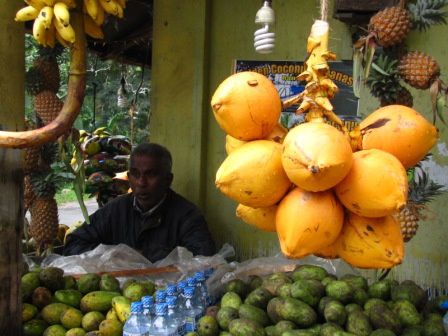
(171, 300)
(161, 308)
(189, 291)
(444, 305)
(160, 295)
(200, 275)
(171, 289)
(147, 301)
(136, 307)
(191, 281)
(181, 285)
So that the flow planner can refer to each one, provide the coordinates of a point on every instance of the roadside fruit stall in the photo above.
(337, 200)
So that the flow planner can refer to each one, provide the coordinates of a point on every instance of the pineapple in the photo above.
(384, 83)
(390, 26)
(44, 211)
(34, 83)
(47, 66)
(31, 154)
(418, 69)
(421, 190)
(47, 106)
(28, 193)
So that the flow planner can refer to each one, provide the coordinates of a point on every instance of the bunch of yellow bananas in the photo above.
(52, 19)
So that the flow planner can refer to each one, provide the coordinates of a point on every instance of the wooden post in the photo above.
(11, 177)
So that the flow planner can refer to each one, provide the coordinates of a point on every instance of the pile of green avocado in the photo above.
(55, 304)
(311, 302)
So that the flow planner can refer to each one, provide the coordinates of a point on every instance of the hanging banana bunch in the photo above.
(52, 19)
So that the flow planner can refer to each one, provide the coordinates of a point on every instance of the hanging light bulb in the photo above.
(122, 100)
(264, 38)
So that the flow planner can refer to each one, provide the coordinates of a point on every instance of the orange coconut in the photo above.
(253, 174)
(376, 185)
(316, 156)
(329, 252)
(401, 131)
(233, 143)
(247, 106)
(307, 222)
(261, 218)
(370, 242)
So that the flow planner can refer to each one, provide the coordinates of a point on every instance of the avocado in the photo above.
(309, 272)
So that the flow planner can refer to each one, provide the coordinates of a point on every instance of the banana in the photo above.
(92, 29)
(50, 39)
(120, 11)
(26, 14)
(100, 16)
(92, 8)
(61, 13)
(38, 4)
(69, 3)
(48, 2)
(39, 31)
(66, 32)
(110, 7)
(46, 15)
(61, 41)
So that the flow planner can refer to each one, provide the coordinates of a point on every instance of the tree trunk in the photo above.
(11, 176)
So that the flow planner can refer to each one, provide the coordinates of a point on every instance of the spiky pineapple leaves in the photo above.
(425, 14)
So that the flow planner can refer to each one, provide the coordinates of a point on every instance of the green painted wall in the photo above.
(194, 46)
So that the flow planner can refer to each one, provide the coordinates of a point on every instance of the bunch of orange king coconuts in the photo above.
(324, 190)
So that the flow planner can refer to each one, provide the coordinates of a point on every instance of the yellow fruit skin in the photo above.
(247, 106)
(232, 143)
(122, 307)
(261, 218)
(253, 174)
(92, 29)
(316, 156)
(370, 242)
(401, 131)
(307, 222)
(26, 14)
(376, 185)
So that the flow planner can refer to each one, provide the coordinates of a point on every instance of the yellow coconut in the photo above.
(247, 106)
(376, 185)
(307, 222)
(253, 174)
(232, 144)
(316, 156)
(261, 218)
(401, 131)
(371, 242)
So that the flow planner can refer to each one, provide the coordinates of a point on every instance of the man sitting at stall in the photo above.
(153, 219)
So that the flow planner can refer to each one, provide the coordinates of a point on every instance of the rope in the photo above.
(324, 10)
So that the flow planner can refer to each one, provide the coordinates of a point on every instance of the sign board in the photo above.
(284, 76)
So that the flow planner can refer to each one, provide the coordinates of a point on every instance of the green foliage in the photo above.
(100, 102)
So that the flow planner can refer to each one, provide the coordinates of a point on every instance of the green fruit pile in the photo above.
(311, 302)
(105, 155)
(58, 305)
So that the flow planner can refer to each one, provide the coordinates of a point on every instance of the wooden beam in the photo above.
(11, 196)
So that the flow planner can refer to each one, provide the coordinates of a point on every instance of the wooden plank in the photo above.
(11, 199)
(362, 6)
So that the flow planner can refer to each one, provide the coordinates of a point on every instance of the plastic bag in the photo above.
(114, 258)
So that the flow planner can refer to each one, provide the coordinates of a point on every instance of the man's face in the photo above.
(149, 180)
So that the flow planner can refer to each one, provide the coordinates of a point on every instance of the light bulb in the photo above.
(264, 38)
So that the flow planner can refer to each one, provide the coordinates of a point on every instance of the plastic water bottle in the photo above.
(171, 290)
(180, 294)
(193, 309)
(161, 326)
(444, 306)
(160, 296)
(175, 317)
(137, 324)
(148, 307)
(201, 288)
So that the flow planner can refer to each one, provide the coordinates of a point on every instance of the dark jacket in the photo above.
(176, 222)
